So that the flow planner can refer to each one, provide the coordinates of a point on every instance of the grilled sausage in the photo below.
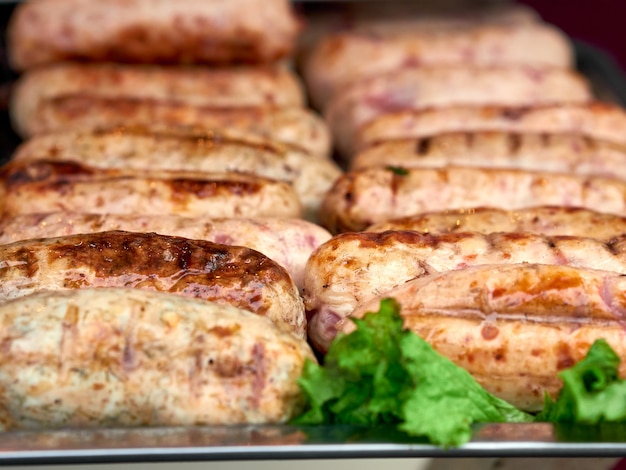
(384, 20)
(140, 149)
(557, 153)
(289, 242)
(514, 327)
(127, 357)
(42, 186)
(196, 86)
(297, 127)
(346, 57)
(195, 268)
(232, 275)
(193, 31)
(361, 198)
(546, 220)
(424, 87)
(604, 121)
(354, 267)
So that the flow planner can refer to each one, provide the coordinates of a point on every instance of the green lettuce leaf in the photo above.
(382, 374)
(447, 399)
(592, 392)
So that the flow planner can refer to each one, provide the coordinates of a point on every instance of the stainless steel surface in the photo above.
(287, 442)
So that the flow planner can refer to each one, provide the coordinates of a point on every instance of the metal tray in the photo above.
(288, 442)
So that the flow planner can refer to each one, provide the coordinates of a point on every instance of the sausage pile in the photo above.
(165, 239)
(153, 220)
(485, 191)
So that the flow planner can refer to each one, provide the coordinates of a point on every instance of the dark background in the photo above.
(598, 22)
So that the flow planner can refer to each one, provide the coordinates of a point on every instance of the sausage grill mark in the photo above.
(513, 114)
(147, 260)
(26, 259)
(536, 352)
(470, 139)
(372, 240)
(515, 143)
(396, 183)
(612, 245)
(207, 188)
(564, 356)
(42, 171)
(423, 146)
(590, 143)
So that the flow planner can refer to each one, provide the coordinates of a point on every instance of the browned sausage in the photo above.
(297, 127)
(361, 198)
(546, 220)
(42, 186)
(194, 31)
(193, 86)
(195, 268)
(514, 327)
(556, 153)
(289, 242)
(354, 267)
(604, 121)
(139, 149)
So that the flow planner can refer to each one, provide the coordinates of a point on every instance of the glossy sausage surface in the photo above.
(353, 267)
(514, 327)
(141, 149)
(546, 220)
(232, 275)
(362, 198)
(48, 186)
(289, 242)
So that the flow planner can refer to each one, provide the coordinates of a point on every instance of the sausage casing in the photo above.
(149, 31)
(194, 86)
(129, 357)
(289, 242)
(556, 153)
(361, 198)
(141, 149)
(348, 56)
(546, 220)
(514, 327)
(604, 121)
(232, 275)
(47, 186)
(293, 126)
(353, 267)
(425, 87)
